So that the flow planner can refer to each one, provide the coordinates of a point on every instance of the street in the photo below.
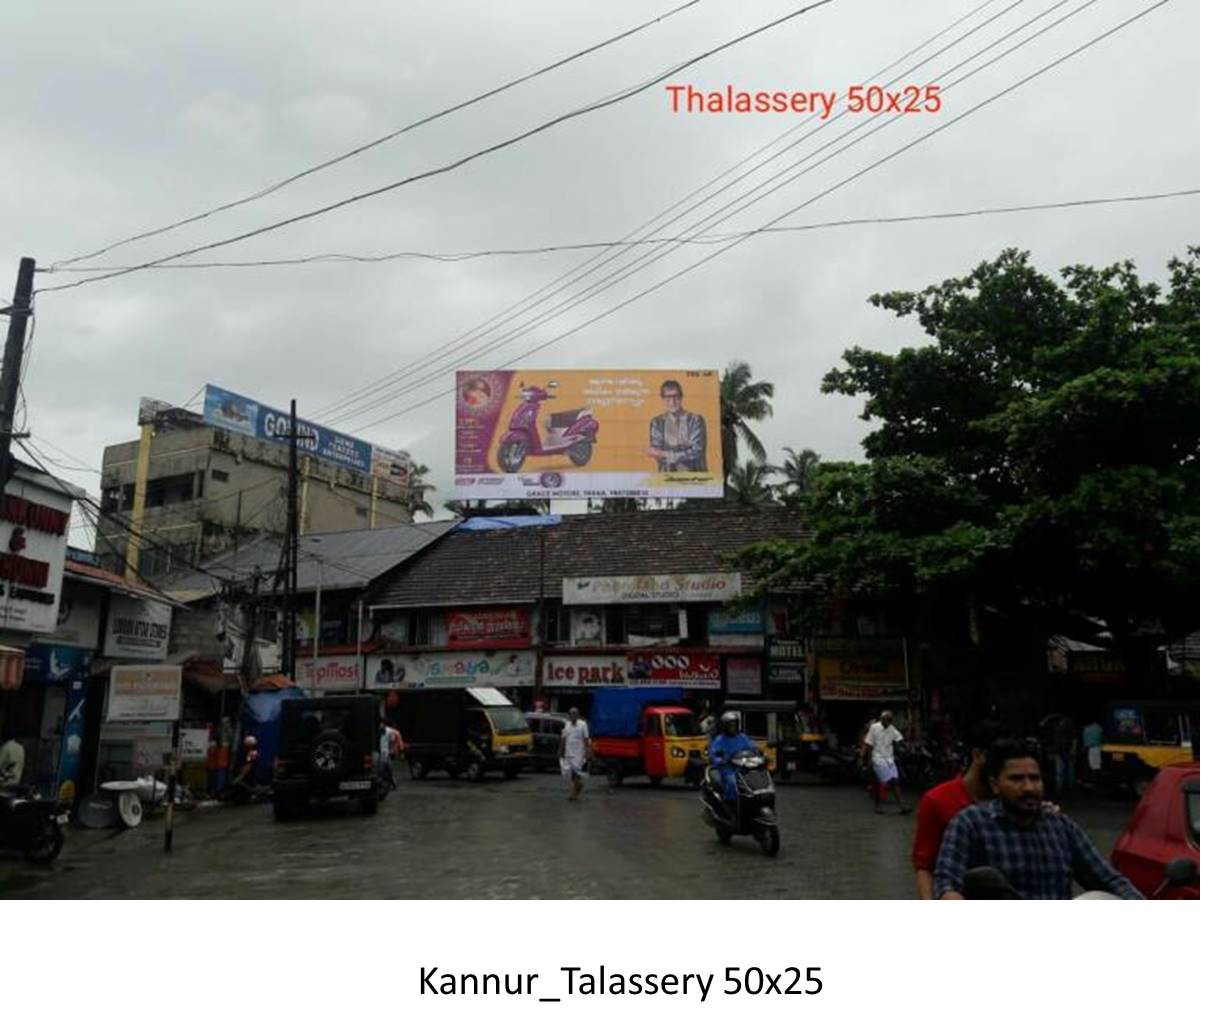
(457, 840)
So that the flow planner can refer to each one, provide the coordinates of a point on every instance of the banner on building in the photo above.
(340, 673)
(694, 670)
(144, 693)
(699, 586)
(56, 663)
(137, 628)
(584, 672)
(72, 741)
(488, 627)
(547, 433)
(451, 669)
(735, 626)
(33, 545)
(743, 676)
(861, 669)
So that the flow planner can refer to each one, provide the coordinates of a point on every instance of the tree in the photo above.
(417, 488)
(1041, 456)
(798, 472)
(748, 486)
(742, 401)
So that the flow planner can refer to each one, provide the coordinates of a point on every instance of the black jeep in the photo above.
(328, 749)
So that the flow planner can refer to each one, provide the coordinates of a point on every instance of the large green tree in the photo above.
(1041, 456)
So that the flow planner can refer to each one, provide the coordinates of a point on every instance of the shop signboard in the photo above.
(137, 628)
(1101, 667)
(784, 649)
(786, 675)
(33, 545)
(193, 745)
(56, 663)
(745, 627)
(743, 676)
(545, 433)
(584, 672)
(693, 670)
(695, 587)
(861, 677)
(451, 669)
(488, 628)
(144, 693)
(340, 673)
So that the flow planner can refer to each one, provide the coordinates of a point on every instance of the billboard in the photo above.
(546, 433)
(238, 414)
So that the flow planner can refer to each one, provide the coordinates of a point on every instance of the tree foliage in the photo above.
(742, 401)
(1041, 453)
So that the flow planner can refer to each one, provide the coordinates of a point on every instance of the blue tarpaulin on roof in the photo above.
(505, 522)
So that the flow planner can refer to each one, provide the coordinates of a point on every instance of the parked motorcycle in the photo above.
(753, 813)
(32, 824)
(571, 432)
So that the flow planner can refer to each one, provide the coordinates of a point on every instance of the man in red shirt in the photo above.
(940, 804)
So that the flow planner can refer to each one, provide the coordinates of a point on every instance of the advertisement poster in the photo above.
(55, 663)
(743, 676)
(488, 627)
(456, 669)
(699, 586)
(73, 740)
(693, 670)
(144, 693)
(547, 433)
(137, 628)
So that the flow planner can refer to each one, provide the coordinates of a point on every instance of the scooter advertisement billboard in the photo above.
(546, 433)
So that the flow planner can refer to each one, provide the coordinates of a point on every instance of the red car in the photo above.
(1164, 827)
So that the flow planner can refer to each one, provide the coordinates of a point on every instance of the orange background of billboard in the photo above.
(623, 428)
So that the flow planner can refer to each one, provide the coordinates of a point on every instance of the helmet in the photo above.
(249, 741)
(730, 723)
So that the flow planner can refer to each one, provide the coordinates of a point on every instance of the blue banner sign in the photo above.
(240, 414)
(56, 663)
(72, 741)
(748, 623)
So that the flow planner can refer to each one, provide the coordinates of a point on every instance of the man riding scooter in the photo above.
(729, 742)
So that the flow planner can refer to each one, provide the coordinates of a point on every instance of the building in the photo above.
(553, 608)
(207, 490)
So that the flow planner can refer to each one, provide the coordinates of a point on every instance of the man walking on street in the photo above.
(574, 753)
(1039, 852)
(880, 744)
(940, 804)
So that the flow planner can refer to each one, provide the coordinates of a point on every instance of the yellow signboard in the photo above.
(551, 433)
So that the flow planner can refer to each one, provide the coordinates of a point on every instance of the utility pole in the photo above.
(14, 352)
(292, 541)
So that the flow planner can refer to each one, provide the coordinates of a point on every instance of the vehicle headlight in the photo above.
(677, 752)
(503, 749)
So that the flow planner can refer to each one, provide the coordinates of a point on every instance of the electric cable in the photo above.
(450, 166)
(330, 163)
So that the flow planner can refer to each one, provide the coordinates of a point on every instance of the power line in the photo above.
(725, 211)
(793, 210)
(451, 166)
(436, 116)
(659, 221)
(700, 239)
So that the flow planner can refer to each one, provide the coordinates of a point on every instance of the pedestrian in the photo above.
(12, 763)
(707, 720)
(944, 801)
(387, 747)
(880, 744)
(1059, 739)
(1091, 741)
(1040, 852)
(575, 753)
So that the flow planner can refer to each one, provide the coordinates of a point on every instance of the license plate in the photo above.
(355, 785)
(792, 766)
(62, 819)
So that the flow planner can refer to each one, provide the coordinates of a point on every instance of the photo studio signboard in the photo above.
(33, 542)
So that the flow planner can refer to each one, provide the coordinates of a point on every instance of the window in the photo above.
(170, 490)
(653, 726)
(557, 624)
(220, 476)
(681, 725)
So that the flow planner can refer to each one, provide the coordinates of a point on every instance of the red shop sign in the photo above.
(488, 627)
(674, 668)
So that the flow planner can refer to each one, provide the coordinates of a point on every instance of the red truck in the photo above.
(644, 730)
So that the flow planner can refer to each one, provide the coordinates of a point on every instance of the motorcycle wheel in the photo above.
(46, 845)
(511, 455)
(769, 841)
(474, 771)
(580, 453)
(724, 834)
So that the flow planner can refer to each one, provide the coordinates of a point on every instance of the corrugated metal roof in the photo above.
(347, 560)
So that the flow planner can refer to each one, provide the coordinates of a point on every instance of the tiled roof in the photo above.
(113, 581)
(502, 566)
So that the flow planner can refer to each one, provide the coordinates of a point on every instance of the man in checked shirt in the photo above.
(1039, 852)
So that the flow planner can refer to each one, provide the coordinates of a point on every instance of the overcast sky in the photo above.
(122, 117)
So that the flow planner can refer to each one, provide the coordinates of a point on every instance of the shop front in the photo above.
(567, 679)
(512, 672)
(857, 678)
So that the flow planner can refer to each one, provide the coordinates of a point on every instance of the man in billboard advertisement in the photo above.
(678, 439)
(554, 433)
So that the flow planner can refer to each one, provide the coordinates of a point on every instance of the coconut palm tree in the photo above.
(798, 472)
(742, 401)
(747, 485)
(416, 489)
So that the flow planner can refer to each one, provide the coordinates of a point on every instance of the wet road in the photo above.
(452, 839)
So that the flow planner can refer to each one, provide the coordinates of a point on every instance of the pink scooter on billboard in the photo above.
(572, 432)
